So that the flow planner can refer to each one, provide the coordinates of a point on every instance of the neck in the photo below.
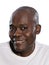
(28, 51)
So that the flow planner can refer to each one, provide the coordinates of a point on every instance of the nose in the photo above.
(18, 32)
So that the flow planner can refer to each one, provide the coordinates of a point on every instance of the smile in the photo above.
(18, 42)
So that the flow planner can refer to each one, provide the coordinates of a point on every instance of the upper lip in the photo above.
(17, 39)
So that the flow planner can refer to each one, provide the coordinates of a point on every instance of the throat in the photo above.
(28, 51)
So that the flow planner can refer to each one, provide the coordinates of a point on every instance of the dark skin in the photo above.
(23, 33)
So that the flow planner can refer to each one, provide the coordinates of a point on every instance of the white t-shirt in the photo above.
(40, 56)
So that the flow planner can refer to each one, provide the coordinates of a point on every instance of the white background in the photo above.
(8, 6)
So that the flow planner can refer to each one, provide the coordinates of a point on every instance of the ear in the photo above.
(38, 29)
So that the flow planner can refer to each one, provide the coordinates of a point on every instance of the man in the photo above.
(22, 49)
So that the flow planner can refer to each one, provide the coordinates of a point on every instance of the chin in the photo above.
(19, 48)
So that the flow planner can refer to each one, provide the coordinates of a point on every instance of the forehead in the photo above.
(22, 18)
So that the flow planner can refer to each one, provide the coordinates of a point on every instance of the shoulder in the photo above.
(4, 46)
(43, 46)
(43, 53)
(43, 49)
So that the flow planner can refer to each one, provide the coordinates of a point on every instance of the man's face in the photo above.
(22, 32)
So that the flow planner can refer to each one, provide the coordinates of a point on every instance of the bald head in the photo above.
(26, 11)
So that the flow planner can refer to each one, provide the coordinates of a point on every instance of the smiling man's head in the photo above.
(24, 26)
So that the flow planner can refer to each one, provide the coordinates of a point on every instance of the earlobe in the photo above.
(38, 29)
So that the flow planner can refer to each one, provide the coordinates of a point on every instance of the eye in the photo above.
(12, 28)
(23, 28)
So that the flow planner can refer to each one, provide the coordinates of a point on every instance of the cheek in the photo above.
(30, 37)
(28, 34)
(10, 34)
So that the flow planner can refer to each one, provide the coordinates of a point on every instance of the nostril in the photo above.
(17, 34)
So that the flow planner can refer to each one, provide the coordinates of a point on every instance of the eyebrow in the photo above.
(21, 25)
(12, 25)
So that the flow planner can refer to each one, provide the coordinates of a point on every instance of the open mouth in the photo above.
(20, 41)
(17, 41)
